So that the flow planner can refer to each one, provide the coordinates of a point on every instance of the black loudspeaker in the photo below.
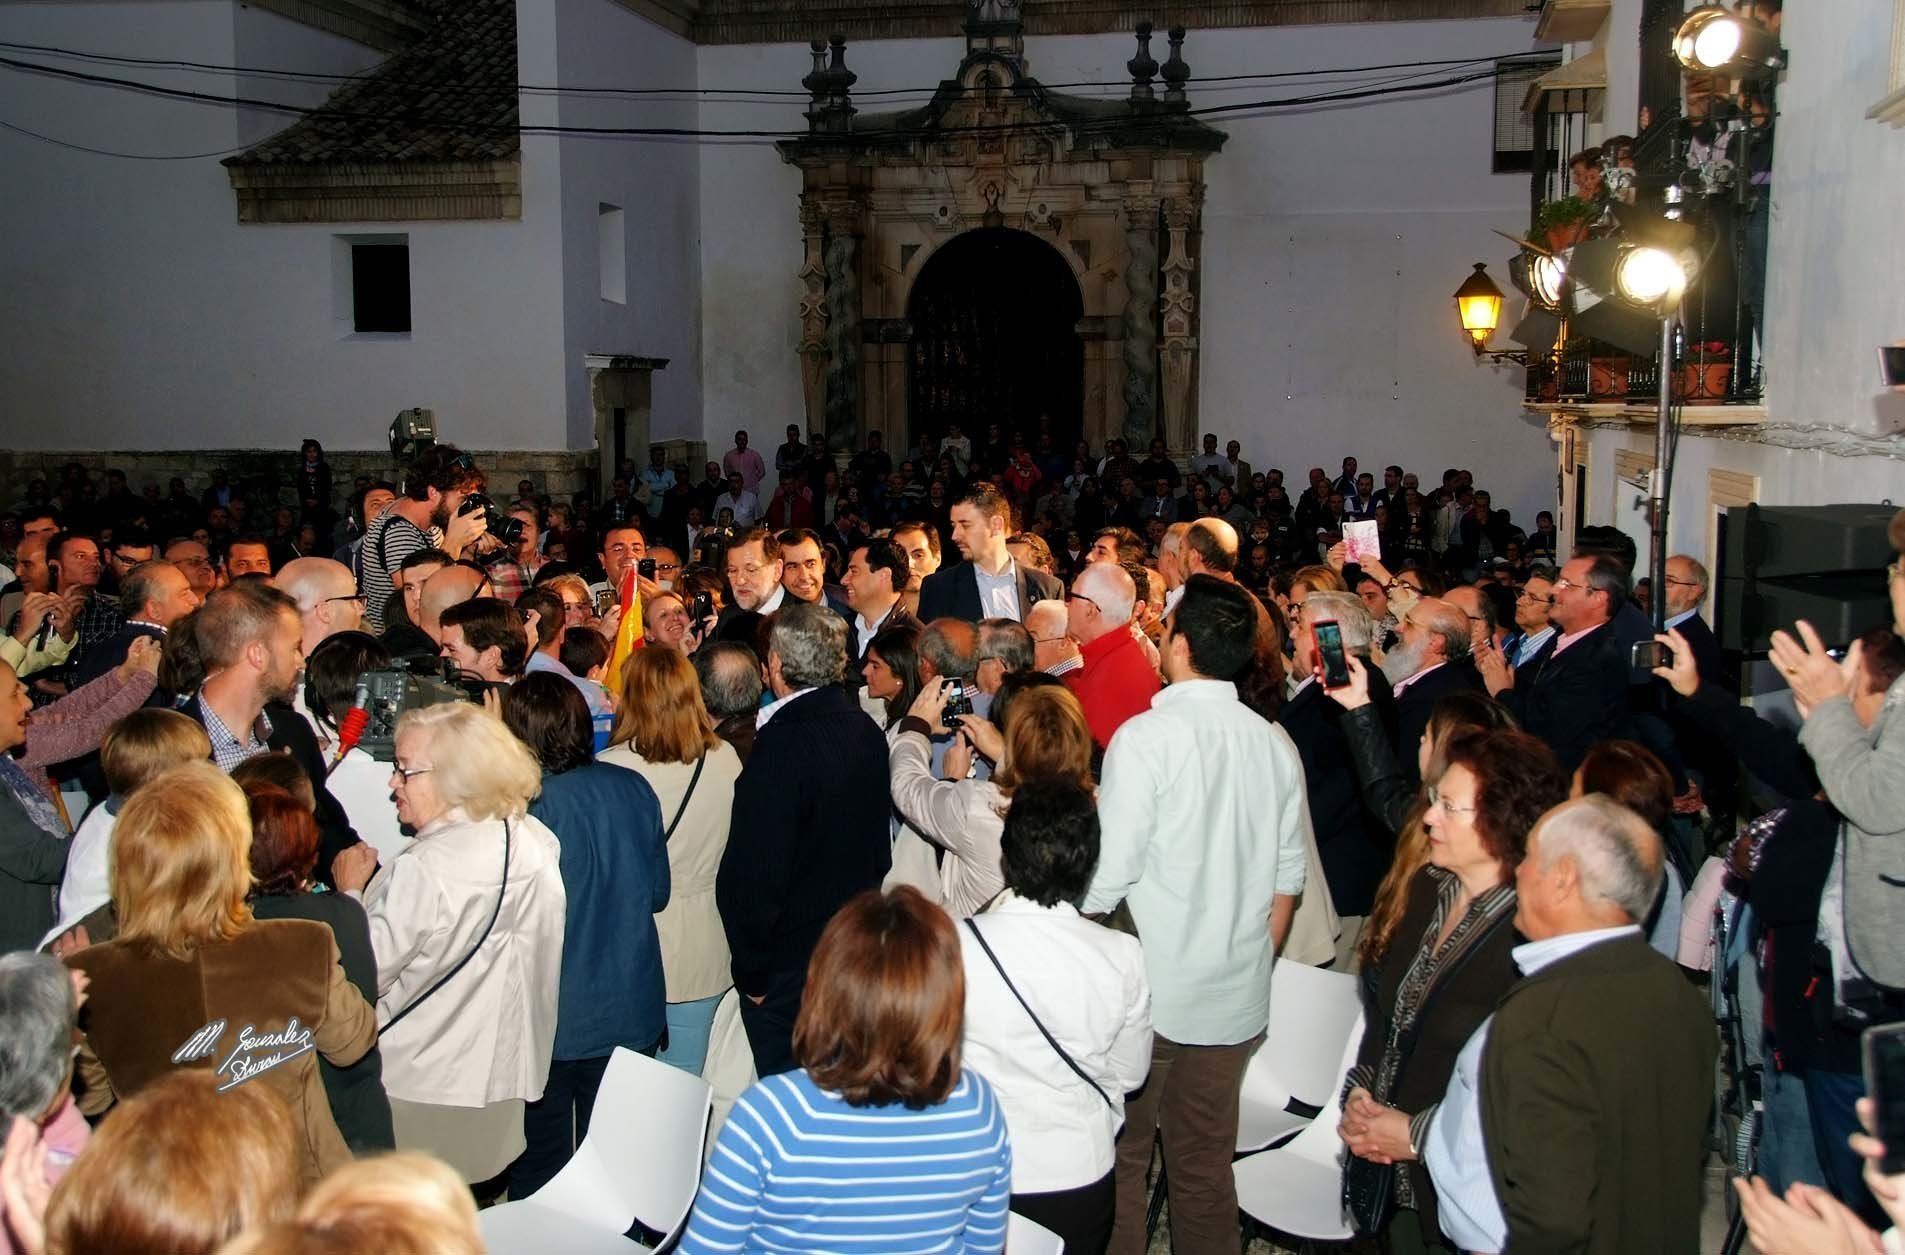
(1780, 564)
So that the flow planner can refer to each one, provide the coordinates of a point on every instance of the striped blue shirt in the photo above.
(797, 1169)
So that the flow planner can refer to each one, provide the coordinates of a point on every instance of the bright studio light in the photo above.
(1650, 276)
(1713, 39)
(1546, 275)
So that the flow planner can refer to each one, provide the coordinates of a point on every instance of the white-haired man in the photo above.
(1117, 680)
(1576, 1117)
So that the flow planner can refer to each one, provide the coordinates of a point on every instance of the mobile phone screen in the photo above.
(1885, 1085)
(1329, 647)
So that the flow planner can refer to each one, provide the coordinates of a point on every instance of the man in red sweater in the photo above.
(1117, 679)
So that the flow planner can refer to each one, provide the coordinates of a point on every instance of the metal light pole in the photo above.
(1662, 478)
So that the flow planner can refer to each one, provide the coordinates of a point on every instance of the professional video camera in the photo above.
(387, 693)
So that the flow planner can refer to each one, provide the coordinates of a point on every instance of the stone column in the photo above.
(813, 315)
(1140, 319)
(1178, 366)
(843, 329)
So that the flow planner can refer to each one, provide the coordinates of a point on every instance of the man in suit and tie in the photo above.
(1428, 662)
(1576, 1116)
(1353, 845)
(988, 584)
(1687, 584)
(804, 572)
(875, 582)
(1574, 692)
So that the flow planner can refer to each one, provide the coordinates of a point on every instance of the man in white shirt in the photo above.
(745, 504)
(874, 580)
(1203, 816)
(1576, 1115)
(1211, 466)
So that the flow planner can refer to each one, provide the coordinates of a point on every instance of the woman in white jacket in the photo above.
(466, 924)
(1058, 1015)
(1041, 732)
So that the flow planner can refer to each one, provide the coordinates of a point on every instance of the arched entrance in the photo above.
(994, 317)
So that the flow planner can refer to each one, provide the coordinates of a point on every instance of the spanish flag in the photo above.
(628, 636)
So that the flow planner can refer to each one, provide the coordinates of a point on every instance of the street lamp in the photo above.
(1713, 39)
(1479, 302)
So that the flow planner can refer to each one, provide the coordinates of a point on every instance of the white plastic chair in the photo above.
(640, 1161)
(1311, 1012)
(1297, 1188)
(1025, 1237)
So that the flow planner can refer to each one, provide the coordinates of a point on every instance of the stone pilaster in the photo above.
(1140, 320)
(1178, 350)
(843, 329)
(813, 314)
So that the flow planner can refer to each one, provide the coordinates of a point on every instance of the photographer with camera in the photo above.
(437, 487)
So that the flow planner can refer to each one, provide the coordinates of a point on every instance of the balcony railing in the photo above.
(1593, 372)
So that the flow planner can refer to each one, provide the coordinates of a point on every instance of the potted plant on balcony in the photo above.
(1705, 372)
(1564, 223)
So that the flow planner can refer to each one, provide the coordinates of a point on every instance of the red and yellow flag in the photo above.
(628, 636)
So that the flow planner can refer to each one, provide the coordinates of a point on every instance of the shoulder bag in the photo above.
(683, 808)
(421, 998)
(1037, 1023)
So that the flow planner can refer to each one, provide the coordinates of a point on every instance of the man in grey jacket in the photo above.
(1863, 770)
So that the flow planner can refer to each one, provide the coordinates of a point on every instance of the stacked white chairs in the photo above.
(1023, 1237)
(1297, 1188)
(1294, 1073)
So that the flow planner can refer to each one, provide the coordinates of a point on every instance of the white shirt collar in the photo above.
(1532, 956)
(1196, 691)
(774, 600)
(774, 707)
(1676, 620)
(1297, 686)
(868, 629)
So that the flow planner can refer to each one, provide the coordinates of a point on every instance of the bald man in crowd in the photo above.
(452, 586)
(1053, 650)
(1116, 680)
(327, 597)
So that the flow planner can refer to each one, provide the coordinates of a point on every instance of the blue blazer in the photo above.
(615, 876)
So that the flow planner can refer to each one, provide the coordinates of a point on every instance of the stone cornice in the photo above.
(443, 191)
(677, 16)
(790, 21)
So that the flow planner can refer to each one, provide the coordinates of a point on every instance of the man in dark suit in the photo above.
(249, 638)
(808, 832)
(875, 583)
(1353, 845)
(804, 572)
(1575, 691)
(1576, 1117)
(1532, 632)
(153, 596)
(1687, 585)
(1429, 661)
(988, 584)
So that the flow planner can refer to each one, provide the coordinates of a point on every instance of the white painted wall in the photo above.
(138, 314)
(1334, 237)
(656, 182)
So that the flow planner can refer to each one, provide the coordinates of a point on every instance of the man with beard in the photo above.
(1430, 661)
(434, 491)
(250, 638)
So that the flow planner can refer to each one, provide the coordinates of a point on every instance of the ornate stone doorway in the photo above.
(1110, 190)
(994, 316)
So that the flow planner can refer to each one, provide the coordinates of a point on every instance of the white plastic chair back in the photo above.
(729, 1067)
(1297, 1188)
(1311, 1012)
(1024, 1237)
(640, 1161)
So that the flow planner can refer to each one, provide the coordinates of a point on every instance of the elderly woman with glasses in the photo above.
(1448, 964)
(466, 923)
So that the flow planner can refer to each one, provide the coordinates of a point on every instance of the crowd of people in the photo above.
(1146, 728)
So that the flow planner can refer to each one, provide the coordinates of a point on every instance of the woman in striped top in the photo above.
(881, 1142)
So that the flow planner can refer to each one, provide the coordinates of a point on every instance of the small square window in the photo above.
(380, 288)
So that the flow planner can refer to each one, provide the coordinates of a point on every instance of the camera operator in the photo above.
(435, 489)
(484, 637)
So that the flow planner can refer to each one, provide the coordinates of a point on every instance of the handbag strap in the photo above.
(683, 808)
(391, 1023)
(1040, 1024)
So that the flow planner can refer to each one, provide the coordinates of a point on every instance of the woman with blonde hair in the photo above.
(401, 1204)
(178, 1169)
(192, 980)
(466, 923)
(664, 734)
(1041, 733)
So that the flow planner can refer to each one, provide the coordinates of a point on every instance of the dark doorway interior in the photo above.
(995, 339)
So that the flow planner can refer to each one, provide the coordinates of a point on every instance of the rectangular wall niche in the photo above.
(370, 290)
(612, 252)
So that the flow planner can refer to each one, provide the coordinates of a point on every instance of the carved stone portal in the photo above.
(1114, 187)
